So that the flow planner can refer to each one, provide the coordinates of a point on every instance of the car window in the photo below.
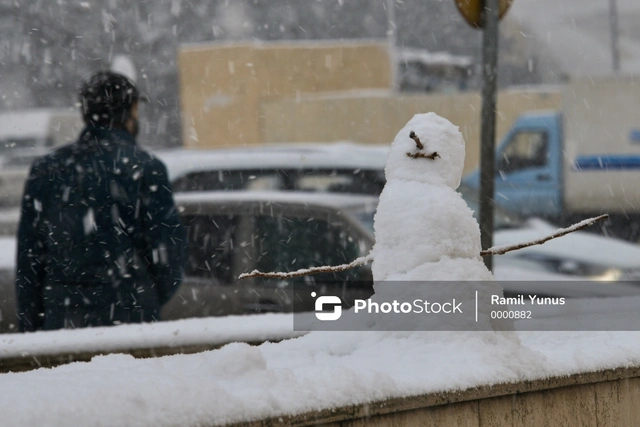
(290, 243)
(219, 180)
(211, 244)
(317, 180)
(356, 181)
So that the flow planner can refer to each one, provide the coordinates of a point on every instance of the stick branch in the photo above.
(500, 250)
(313, 270)
(496, 250)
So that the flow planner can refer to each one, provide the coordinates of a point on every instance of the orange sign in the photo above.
(472, 10)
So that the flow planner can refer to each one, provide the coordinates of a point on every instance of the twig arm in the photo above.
(313, 270)
(503, 249)
(496, 250)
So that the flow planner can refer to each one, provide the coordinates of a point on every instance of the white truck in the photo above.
(578, 161)
(25, 135)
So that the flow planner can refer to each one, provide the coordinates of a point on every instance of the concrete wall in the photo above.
(599, 399)
(377, 117)
(222, 85)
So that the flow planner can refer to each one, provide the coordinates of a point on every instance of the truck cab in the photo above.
(529, 166)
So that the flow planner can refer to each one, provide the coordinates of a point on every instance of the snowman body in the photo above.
(427, 240)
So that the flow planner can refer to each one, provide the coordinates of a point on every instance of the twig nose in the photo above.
(413, 136)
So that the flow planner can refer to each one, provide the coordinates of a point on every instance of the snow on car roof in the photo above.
(348, 155)
(322, 199)
(28, 123)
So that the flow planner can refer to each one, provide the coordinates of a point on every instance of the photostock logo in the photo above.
(331, 301)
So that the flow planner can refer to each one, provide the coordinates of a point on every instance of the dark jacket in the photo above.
(99, 240)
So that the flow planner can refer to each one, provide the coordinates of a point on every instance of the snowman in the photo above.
(427, 240)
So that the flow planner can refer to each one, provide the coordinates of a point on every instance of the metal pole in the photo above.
(392, 37)
(488, 124)
(613, 21)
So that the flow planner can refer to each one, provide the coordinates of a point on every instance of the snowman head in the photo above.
(428, 149)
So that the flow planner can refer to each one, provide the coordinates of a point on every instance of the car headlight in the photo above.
(575, 268)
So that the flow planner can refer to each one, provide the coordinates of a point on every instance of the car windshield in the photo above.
(359, 181)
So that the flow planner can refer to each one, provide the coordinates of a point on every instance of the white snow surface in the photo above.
(211, 330)
(317, 371)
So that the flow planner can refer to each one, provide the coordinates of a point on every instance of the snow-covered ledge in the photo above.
(603, 398)
(23, 352)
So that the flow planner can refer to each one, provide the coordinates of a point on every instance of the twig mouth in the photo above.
(431, 156)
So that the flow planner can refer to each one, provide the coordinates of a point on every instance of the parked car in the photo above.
(359, 169)
(577, 256)
(332, 167)
(232, 232)
(235, 232)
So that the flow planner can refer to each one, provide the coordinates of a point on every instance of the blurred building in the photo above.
(235, 94)
(575, 38)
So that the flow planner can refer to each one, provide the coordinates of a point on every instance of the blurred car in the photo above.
(331, 167)
(231, 233)
(359, 169)
(577, 256)
(236, 232)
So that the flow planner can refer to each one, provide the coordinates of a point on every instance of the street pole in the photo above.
(392, 37)
(613, 21)
(488, 124)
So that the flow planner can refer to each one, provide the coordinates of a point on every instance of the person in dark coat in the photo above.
(99, 240)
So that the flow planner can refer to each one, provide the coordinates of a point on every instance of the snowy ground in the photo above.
(319, 370)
